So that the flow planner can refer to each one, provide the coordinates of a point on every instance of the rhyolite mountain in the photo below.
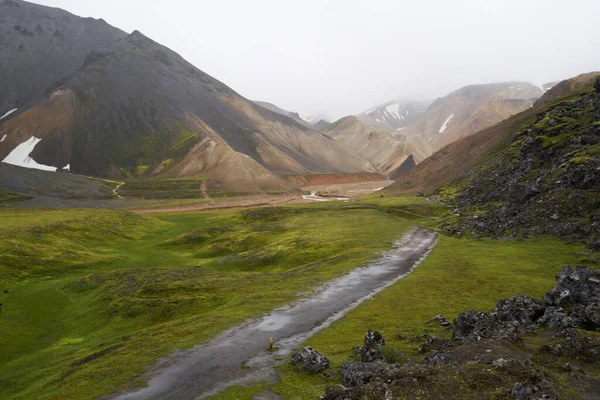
(534, 173)
(40, 45)
(418, 131)
(469, 110)
(136, 108)
(395, 115)
(385, 151)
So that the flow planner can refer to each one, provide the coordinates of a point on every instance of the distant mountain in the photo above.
(321, 124)
(394, 116)
(136, 108)
(40, 45)
(464, 112)
(462, 157)
(385, 151)
(294, 115)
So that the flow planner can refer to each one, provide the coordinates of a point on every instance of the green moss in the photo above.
(141, 170)
(8, 198)
(95, 293)
(458, 275)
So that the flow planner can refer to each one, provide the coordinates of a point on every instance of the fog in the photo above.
(341, 57)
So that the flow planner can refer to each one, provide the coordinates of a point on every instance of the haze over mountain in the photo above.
(136, 108)
(395, 115)
(343, 58)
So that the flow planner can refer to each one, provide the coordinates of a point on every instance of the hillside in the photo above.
(372, 144)
(545, 182)
(293, 115)
(40, 45)
(387, 152)
(395, 115)
(137, 108)
(466, 111)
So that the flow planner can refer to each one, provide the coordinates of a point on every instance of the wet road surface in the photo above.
(209, 368)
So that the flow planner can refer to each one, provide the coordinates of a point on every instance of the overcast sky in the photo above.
(340, 57)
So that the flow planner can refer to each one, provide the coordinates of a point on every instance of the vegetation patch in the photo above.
(93, 293)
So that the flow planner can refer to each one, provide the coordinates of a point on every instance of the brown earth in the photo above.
(304, 181)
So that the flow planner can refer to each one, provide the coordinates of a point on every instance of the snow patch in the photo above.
(3, 138)
(399, 129)
(393, 110)
(20, 156)
(445, 126)
(8, 113)
(68, 167)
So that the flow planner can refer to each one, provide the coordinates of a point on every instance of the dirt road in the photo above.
(239, 354)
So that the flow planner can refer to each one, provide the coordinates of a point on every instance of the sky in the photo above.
(341, 57)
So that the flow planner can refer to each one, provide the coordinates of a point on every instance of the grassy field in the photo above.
(459, 275)
(90, 297)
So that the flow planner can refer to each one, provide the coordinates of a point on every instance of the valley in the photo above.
(389, 219)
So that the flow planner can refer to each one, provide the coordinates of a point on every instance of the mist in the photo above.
(342, 57)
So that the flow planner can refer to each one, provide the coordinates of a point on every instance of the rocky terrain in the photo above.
(40, 45)
(546, 181)
(523, 349)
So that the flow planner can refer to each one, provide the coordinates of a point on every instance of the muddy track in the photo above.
(239, 354)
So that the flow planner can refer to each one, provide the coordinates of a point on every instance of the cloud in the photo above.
(342, 57)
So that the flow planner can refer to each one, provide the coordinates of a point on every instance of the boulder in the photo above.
(372, 349)
(510, 318)
(579, 285)
(362, 373)
(310, 360)
(373, 339)
(556, 318)
(531, 390)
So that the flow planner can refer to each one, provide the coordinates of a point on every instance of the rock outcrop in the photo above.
(310, 360)
(488, 350)
(546, 180)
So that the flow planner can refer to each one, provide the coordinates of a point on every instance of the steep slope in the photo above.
(40, 45)
(466, 111)
(558, 89)
(453, 160)
(374, 145)
(546, 181)
(137, 108)
(394, 115)
(385, 151)
(293, 115)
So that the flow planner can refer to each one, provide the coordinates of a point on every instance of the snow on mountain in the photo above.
(392, 116)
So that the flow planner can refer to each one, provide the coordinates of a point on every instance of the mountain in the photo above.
(394, 115)
(40, 45)
(293, 115)
(455, 159)
(321, 124)
(136, 108)
(471, 109)
(557, 89)
(546, 180)
(372, 144)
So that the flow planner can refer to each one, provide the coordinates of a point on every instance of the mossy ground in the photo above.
(92, 297)
(459, 275)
